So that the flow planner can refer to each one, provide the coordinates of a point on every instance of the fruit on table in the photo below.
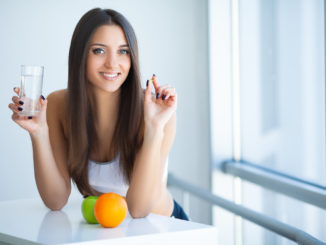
(88, 209)
(110, 209)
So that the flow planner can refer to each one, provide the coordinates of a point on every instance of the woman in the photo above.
(104, 132)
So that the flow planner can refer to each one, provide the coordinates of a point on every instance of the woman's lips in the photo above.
(110, 76)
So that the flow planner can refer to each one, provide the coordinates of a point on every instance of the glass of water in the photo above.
(31, 83)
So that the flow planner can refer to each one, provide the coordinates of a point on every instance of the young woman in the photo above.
(104, 132)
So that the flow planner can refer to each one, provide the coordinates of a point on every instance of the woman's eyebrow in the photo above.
(100, 44)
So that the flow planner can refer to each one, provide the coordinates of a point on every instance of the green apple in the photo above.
(88, 209)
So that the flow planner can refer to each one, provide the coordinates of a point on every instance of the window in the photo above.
(282, 86)
(278, 58)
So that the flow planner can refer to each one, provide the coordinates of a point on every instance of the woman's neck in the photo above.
(107, 107)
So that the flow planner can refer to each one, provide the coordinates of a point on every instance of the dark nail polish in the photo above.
(14, 88)
(147, 83)
(42, 97)
(157, 95)
(163, 97)
(20, 109)
(30, 117)
(21, 102)
(154, 75)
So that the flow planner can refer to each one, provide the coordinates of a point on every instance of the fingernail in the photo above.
(42, 97)
(147, 83)
(14, 88)
(154, 75)
(163, 97)
(157, 95)
(21, 102)
(20, 109)
(30, 117)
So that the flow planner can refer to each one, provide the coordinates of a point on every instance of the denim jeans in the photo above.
(178, 212)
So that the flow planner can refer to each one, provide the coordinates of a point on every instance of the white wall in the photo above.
(172, 38)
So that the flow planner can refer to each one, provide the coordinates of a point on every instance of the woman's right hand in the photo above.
(31, 124)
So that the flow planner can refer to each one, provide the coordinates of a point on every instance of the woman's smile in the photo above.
(110, 76)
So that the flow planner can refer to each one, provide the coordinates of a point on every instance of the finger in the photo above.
(16, 117)
(44, 103)
(15, 108)
(16, 90)
(168, 93)
(17, 101)
(155, 83)
(160, 93)
(148, 91)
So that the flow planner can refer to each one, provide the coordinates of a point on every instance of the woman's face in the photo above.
(108, 60)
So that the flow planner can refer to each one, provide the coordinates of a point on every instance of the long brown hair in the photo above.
(82, 134)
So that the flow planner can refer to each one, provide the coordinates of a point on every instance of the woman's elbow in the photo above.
(55, 205)
(55, 208)
(138, 209)
(138, 212)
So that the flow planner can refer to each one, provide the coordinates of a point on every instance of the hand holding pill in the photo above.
(159, 110)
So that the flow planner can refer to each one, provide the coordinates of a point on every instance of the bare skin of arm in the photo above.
(147, 191)
(49, 150)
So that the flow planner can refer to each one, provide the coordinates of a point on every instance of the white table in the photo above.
(30, 222)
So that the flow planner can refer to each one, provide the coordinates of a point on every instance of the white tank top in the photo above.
(107, 177)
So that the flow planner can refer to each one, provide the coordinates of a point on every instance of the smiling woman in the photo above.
(108, 58)
(108, 135)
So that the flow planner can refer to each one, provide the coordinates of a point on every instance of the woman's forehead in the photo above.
(109, 35)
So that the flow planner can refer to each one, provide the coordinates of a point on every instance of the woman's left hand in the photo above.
(160, 109)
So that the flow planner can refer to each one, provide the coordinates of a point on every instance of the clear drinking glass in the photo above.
(31, 83)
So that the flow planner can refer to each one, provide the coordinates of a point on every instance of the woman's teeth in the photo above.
(110, 75)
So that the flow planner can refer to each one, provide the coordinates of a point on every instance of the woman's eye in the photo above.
(98, 51)
(123, 51)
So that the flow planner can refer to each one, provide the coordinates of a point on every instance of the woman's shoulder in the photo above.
(57, 102)
(58, 96)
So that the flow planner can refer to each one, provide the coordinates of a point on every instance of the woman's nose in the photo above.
(111, 60)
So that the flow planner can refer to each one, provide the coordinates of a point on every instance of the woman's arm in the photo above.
(50, 155)
(49, 149)
(146, 185)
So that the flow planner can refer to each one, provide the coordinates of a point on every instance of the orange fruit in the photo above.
(110, 209)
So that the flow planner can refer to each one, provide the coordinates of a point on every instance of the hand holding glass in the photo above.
(31, 89)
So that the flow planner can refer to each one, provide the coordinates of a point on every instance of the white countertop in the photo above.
(28, 221)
